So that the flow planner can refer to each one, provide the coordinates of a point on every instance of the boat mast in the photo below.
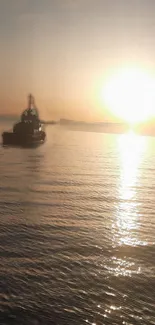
(31, 103)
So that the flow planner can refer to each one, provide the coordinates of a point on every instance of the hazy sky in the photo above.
(63, 50)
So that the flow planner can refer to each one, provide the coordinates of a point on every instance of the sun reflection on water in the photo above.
(131, 149)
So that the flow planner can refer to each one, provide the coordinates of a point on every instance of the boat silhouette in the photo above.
(29, 130)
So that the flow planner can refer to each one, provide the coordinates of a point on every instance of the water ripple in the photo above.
(76, 233)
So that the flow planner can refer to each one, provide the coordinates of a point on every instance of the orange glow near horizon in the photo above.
(126, 95)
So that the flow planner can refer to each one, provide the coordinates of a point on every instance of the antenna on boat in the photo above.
(31, 102)
(32, 105)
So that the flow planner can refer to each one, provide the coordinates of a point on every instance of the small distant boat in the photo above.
(29, 130)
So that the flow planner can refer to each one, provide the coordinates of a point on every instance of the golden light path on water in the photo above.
(126, 232)
(126, 222)
(131, 149)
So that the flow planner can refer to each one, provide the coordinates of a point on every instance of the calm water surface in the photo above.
(77, 230)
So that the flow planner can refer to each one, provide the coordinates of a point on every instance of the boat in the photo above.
(29, 130)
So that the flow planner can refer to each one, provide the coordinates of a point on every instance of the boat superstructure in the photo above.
(29, 130)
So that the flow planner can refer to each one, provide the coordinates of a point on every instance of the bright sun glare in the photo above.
(130, 95)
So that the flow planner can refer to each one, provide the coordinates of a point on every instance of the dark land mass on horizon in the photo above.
(145, 128)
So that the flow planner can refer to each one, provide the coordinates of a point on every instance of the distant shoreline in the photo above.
(102, 127)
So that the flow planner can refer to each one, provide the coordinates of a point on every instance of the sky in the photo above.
(63, 51)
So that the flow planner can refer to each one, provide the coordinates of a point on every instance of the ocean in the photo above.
(77, 230)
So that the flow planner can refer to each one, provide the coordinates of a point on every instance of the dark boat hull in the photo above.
(24, 140)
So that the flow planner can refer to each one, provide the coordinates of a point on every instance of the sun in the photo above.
(130, 95)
